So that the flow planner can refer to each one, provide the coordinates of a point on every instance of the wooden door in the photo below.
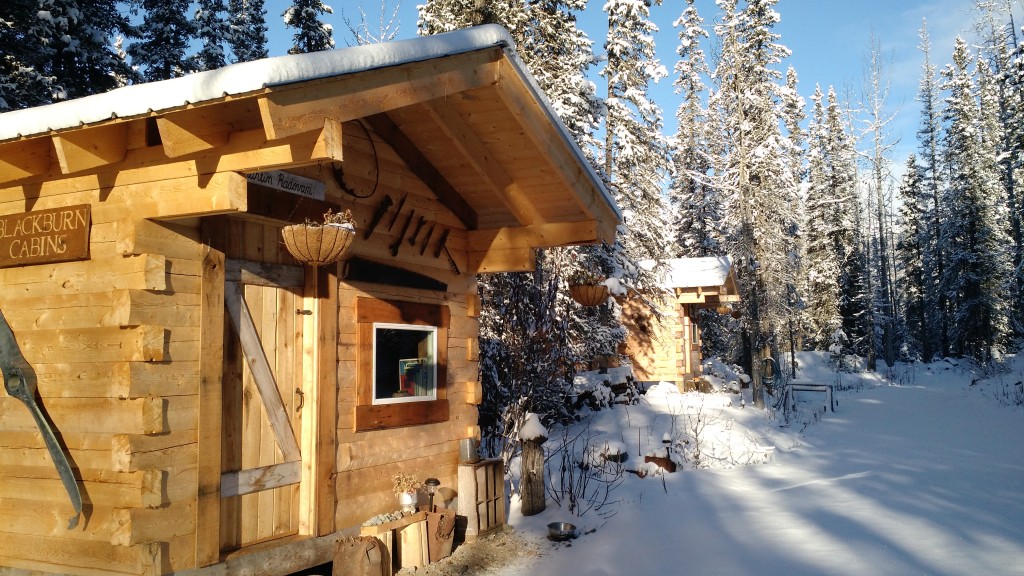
(262, 400)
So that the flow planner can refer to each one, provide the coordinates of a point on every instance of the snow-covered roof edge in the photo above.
(693, 272)
(139, 99)
(245, 77)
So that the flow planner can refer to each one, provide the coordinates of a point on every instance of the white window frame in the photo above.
(433, 364)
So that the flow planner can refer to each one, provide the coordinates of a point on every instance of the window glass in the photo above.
(404, 363)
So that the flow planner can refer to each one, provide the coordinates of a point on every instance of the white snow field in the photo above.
(920, 475)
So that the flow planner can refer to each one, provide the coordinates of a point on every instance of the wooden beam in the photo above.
(420, 165)
(551, 143)
(323, 444)
(211, 366)
(24, 158)
(192, 130)
(539, 236)
(520, 259)
(248, 151)
(452, 124)
(242, 321)
(91, 147)
(301, 107)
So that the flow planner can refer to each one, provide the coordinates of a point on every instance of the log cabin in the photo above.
(663, 342)
(220, 406)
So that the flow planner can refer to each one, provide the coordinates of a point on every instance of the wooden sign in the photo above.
(291, 183)
(45, 236)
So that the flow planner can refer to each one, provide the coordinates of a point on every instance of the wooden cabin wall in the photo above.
(656, 349)
(368, 460)
(115, 343)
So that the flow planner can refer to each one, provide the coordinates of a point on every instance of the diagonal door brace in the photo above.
(20, 382)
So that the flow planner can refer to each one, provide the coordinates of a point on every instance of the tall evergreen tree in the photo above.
(248, 24)
(750, 168)
(53, 50)
(23, 83)
(910, 257)
(929, 135)
(696, 211)
(636, 158)
(311, 33)
(977, 267)
(831, 261)
(166, 32)
(213, 32)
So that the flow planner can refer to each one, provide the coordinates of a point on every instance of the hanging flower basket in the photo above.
(319, 244)
(589, 294)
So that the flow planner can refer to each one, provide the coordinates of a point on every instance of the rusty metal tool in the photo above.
(451, 261)
(401, 236)
(416, 230)
(440, 243)
(426, 241)
(398, 211)
(20, 382)
(378, 214)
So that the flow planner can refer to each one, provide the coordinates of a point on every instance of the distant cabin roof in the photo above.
(695, 272)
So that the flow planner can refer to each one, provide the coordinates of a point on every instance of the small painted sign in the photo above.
(45, 236)
(288, 182)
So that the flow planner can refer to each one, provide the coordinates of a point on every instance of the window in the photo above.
(404, 363)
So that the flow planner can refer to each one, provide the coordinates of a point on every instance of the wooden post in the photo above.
(532, 476)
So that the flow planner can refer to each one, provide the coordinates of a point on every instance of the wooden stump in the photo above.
(532, 477)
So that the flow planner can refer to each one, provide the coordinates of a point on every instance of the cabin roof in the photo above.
(706, 280)
(459, 108)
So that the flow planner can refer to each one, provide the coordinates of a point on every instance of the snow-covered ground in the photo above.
(919, 474)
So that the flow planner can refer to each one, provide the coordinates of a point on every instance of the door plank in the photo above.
(259, 479)
(242, 321)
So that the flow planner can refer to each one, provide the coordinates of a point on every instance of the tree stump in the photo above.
(532, 477)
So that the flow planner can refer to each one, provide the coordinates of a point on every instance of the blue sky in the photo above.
(829, 40)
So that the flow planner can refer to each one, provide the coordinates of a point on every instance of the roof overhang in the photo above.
(459, 109)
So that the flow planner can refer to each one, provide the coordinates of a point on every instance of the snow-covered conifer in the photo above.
(909, 256)
(166, 33)
(248, 36)
(311, 33)
(974, 234)
(213, 32)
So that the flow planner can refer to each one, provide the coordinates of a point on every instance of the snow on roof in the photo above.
(694, 272)
(245, 77)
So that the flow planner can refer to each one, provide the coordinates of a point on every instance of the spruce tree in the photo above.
(977, 266)
(247, 20)
(165, 35)
(936, 330)
(213, 32)
(23, 83)
(696, 211)
(750, 167)
(311, 34)
(636, 160)
(910, 256)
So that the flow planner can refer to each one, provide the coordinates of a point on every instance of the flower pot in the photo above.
(589, 294)
(407, 500)
(318, 245)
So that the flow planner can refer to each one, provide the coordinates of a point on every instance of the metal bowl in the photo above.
(559, 531)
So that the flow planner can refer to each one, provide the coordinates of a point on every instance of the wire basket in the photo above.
(589, 294)
(317, 245)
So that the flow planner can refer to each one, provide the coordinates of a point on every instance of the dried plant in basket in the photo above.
(318, 244)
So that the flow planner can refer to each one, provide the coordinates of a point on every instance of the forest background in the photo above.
(846, 234)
